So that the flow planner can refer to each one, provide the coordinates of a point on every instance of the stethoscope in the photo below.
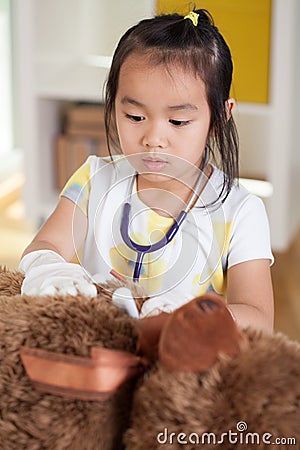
(142, 250)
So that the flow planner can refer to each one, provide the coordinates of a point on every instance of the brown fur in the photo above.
(32, 420)
(10, 282)
(260, 386)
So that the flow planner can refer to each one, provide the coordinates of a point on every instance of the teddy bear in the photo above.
(79, 373)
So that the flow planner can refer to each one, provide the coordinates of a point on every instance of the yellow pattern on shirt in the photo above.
(153, 268)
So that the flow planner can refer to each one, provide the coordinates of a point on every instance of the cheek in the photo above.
(127, 138)
(119, 118)
(199, 134)
(121, 128)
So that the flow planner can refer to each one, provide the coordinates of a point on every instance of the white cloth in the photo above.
(47, 273)
(210, 241)
(161, 303)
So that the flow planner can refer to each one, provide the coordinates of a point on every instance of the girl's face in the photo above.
(162, 117)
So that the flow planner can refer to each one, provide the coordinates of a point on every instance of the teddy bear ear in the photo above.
(196, 334)
(149, 331)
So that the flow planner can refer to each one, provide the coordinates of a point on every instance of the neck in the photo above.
(168, 196)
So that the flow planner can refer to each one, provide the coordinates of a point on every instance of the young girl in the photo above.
(162, 212)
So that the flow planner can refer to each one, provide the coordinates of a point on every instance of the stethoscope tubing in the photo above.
(142, 250)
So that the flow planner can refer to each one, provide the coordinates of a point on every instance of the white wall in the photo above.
(269, 133)
(295, 149)
(5, 81)
(54, 39)
(84, 27)
(284, 51)
(53, 42)
(253, 123)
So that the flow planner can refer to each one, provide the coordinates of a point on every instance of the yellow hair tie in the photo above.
(193, 17)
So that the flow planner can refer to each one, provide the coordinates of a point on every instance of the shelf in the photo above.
(73, 79)
(261, 188)
(257, 109)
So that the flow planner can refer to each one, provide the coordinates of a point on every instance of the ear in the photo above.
(229, 105)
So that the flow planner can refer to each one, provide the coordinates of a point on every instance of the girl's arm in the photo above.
(45, 261)
(64, 231)
(250, 294)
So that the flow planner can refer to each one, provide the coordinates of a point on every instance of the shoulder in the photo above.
(110, 168)
(239, 200)
(246, 220)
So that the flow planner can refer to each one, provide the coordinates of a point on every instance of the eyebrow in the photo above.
(185, 106)
(128, 100)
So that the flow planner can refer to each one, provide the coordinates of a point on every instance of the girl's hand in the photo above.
(166, 302)
(47, 273)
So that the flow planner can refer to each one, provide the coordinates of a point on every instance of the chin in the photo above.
(156, 177)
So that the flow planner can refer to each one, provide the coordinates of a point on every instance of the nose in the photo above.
(154, 137)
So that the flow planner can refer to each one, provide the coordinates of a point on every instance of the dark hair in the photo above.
(170, 39)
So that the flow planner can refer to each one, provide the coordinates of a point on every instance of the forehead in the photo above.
(139, 73)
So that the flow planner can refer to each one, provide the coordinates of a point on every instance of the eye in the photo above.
(135, 118)
(179, 123)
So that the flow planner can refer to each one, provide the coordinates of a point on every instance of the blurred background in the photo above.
(55, 55)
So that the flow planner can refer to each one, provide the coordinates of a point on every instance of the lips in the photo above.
(155, 164)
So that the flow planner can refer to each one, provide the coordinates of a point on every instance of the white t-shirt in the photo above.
(210, 240)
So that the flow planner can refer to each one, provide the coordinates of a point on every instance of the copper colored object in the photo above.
(195, 335)
(94, 378)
